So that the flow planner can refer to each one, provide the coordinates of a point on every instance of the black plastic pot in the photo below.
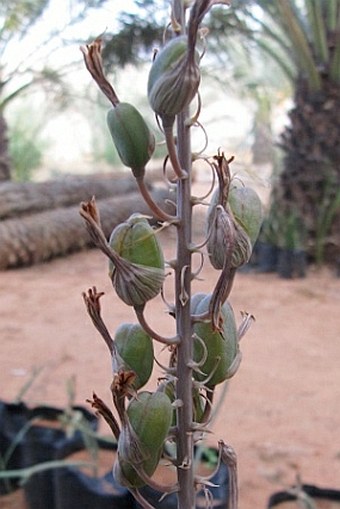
(314, 492)
(13, 421)
(291, 263)
(43, 443)
(220, 493)
(75, 488)
(265, 257)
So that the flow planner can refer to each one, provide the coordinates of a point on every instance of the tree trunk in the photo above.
(18, 198)
(310, 181)
(45, 235)
(5, 173)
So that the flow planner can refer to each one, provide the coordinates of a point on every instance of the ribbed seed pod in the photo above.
(246, 207)
(142, 277)
(173, 79)
(224, 234)
(167, 58)
(136, 241)
(220, 347)
(149, 418)
(135, 348)
(131, 136)
(240, 224)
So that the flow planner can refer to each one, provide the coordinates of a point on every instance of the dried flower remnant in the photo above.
(135, 283)
(94, 64)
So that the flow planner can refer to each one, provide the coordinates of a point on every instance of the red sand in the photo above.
(281, 410)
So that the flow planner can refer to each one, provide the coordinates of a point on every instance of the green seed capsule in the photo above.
(133, 140)
(247, 209)
(173, 79)
(244, 210)
(149, 416)
(135, 241)
(221, 347)
(226, 239)
(126, 471)
(135, 348)
(167, 59)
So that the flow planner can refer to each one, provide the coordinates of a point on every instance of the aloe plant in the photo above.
(204, 349)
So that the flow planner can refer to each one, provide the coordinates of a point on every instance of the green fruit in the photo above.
(125, 473)
(150, 416)
(221, 346)
(136, 241)
(174, 78)
(133, 140)
(167, 59)
(244, 210)
(247, 209)
(136, 267)
(227, 240)
(135, 348)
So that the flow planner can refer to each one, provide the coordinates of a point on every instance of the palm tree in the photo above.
(303, 37)
(310, 180)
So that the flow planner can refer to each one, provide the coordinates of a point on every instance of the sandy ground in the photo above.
(281, 411)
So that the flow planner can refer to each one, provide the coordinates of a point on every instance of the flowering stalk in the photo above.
(204, 351)
(186, 495)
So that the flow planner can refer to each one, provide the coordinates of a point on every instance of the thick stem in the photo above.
(186, 495)
(184, 386)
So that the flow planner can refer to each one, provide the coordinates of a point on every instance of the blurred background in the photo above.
(271, 77)
(270, 97)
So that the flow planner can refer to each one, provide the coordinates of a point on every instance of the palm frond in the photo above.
(333, 12)
(300, 43)
(334, 70)
(317, 20)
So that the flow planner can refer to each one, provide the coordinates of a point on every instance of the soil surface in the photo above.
(281, 412)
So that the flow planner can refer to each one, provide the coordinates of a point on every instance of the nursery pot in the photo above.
(86, 489)
(291, 263)
(324, 498)
(265, 257)
(13, 423)
(220, 493)
(44, 440)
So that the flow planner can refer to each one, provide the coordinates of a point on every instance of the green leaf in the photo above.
(315, 13)
(300, 43)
